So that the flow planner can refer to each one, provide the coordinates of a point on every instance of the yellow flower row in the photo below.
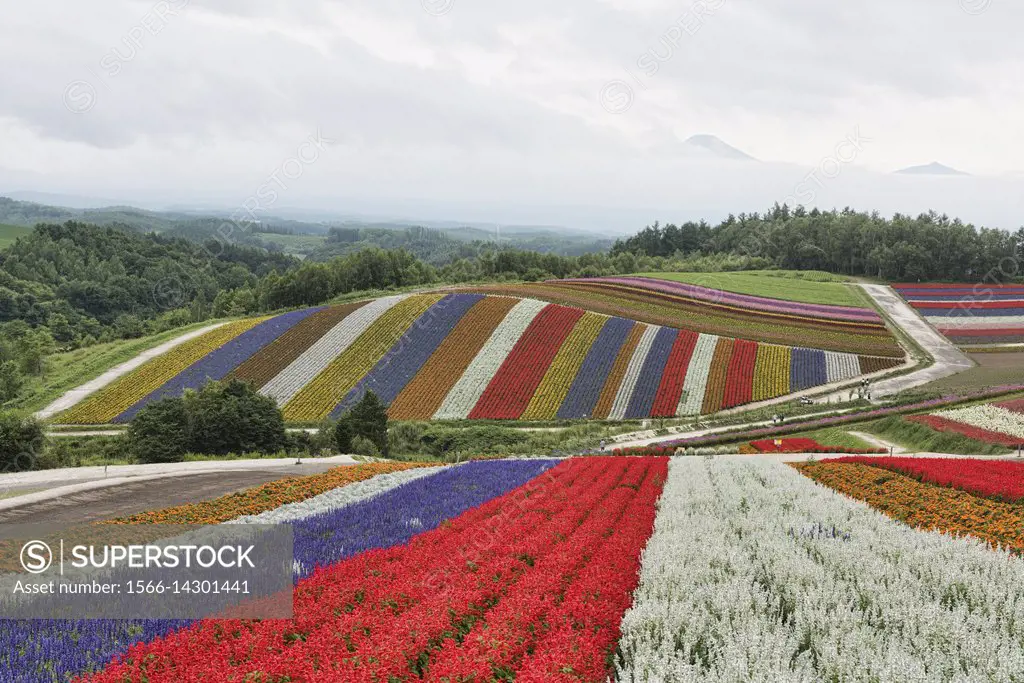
(771, 371)
(123, 393)
(559, 377)
(318, 398)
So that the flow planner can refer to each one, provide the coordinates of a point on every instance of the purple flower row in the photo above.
(807, 369)
(746, 300)
(403, 512)
(219, 362)
(401, 363)
(642, 400)
(593, 373)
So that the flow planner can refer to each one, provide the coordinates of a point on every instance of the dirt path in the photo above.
(949, 360)
(878, 443)
(133, 497)
(77, 394)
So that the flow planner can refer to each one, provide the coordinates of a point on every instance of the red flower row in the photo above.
(739, 382)
(474, 595)
(942, 424)
(560, 622)
(516, 381)
(1016, 406)
(997, 479)
(666, 400)
(805, 445)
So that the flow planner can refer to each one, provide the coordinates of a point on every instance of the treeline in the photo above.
(928, 247)
(377, 269)
(87, 283)
(439, 248)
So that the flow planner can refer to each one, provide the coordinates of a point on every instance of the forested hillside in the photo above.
(318, 241)
(440, 247)
(928, 247)
(67, 286)
(83, 280)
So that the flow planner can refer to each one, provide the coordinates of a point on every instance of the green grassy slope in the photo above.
(68, 370)
(812, 287)
(9, 233)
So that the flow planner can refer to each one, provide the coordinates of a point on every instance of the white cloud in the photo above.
(497, 100)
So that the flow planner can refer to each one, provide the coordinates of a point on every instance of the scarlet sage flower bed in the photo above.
(803, 445)
(532, 585)
(1000, 480)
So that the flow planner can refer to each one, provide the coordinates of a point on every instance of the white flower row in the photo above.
(470, 387)
(337, 498)
(971, 321)
(629, 380)
(696, 382)
(710, 450)
(317, 357)
(841, 366)
(755, 573)
(987, 416)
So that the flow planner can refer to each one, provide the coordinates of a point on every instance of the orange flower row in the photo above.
(921, 505)
(268, 496)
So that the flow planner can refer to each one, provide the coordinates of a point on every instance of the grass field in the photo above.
(993, 369)
(811, 287)
(920, 439)
(66, 371)
(9, 233)
(297, 245)
(835, 436)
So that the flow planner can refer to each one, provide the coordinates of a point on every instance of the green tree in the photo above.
(343, 435)
(11, 380)
(160, 432)
(232, 417)
(369, 419)
(21, 441)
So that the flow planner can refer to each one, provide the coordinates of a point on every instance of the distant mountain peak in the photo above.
(934, 168)
(713, 147)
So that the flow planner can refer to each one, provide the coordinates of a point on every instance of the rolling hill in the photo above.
(490, 355)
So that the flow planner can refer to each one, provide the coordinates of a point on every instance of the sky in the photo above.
(569, 112)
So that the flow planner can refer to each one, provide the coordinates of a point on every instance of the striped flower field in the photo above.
(470, 355)
(1000, 423)
(587, 570)
(970, 314)
(663, 302)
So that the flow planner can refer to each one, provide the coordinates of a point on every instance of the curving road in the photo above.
(949, 360)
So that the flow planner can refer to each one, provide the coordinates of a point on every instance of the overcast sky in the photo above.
(534, 103)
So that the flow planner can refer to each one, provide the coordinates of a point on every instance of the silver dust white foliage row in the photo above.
(336, 498)
(755, 574)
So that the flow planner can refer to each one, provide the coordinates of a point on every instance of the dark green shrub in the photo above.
(21, 442)
(160, 432)
(232, 417)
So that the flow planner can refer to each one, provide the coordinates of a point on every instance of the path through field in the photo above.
(78, 394)
(949, 360)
